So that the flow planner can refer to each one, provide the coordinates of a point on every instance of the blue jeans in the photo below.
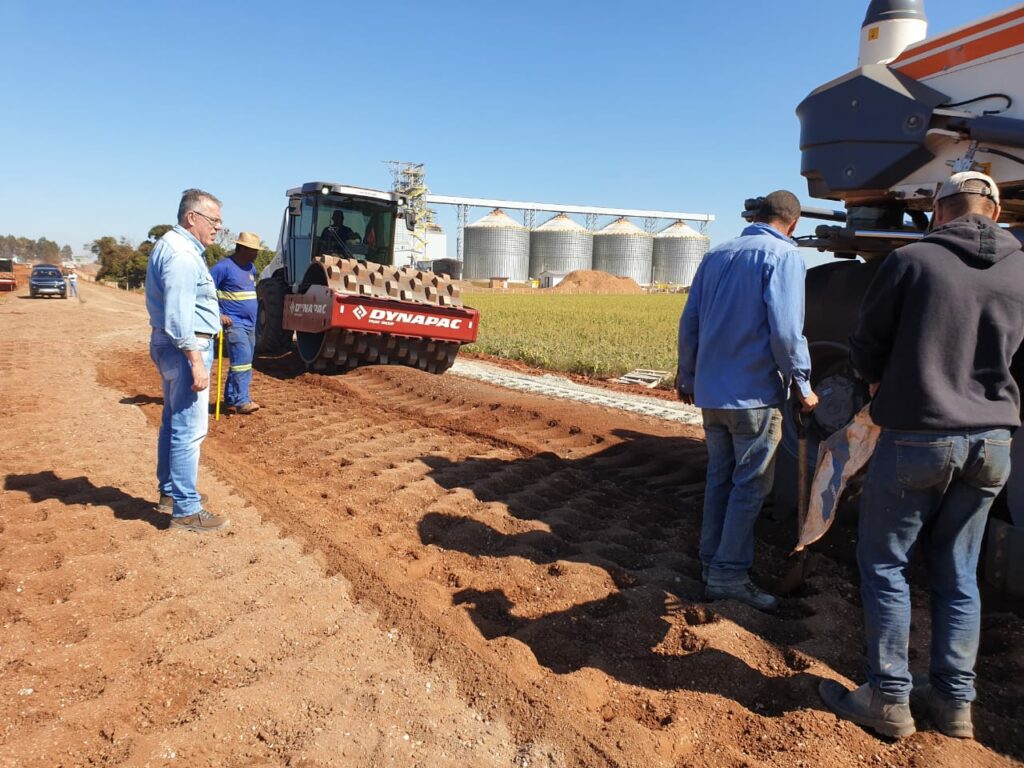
(241, 344)
(183, 426)
(934, 490)
(741, 446)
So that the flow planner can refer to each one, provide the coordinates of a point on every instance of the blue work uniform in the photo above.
(236, 292)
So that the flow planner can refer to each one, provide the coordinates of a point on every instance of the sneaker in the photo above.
(950, 716)
(866, 706)
(246, 409)
(745, 593)
(166, 503)
(200, 521)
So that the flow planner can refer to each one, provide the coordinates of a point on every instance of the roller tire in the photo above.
(342, 350)
(271, 337)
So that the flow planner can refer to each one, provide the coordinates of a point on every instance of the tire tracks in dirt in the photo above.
(539, 553)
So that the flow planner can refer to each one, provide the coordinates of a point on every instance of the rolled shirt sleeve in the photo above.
(784, 300)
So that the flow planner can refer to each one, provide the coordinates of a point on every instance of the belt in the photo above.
(204, 335)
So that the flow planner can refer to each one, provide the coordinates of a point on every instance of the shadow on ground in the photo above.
(41, 486)
(141, 400)
(630, 511)
(287, 365)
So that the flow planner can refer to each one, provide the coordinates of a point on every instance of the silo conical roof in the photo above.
(679, 229)
(561, 223)
(621, 226)
(497, 218)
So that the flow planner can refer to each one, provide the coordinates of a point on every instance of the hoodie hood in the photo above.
(975, 239)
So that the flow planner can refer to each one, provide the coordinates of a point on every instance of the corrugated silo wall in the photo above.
(556, 251)
(676, 258)
(496, 252)
(625, 255)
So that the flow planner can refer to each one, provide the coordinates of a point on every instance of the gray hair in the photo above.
(193, 200)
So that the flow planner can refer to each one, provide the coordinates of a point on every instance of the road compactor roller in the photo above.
(335, 285)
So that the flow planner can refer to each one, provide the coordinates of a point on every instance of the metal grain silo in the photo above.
(623, 249)
(560, 245)
(496, 246)
(678, 250)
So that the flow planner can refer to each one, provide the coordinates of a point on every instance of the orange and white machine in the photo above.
(886, 134)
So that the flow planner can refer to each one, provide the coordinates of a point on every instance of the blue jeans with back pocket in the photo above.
(741, 445)
(934, 491)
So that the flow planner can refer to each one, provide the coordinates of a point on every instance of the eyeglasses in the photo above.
(215, 222)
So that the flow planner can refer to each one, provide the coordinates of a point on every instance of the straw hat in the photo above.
(248, 240)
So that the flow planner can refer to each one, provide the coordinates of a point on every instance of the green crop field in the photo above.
(603, 336)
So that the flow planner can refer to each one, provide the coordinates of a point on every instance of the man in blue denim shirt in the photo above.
(184, 316)
(938, 329)
(741, 346)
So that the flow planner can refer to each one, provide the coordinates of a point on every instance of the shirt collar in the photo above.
(182, 231)
(760, 228)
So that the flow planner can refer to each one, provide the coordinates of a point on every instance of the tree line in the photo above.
(123, 262)
(26, 249)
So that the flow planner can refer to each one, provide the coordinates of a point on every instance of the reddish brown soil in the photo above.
(421, 571)
(595, 281)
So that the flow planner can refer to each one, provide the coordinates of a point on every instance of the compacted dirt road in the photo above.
(421, 571)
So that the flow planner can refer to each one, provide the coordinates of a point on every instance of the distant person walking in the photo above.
(235, 280)
(741, 345)
(183, 313)
(72, 284)
(938, 329)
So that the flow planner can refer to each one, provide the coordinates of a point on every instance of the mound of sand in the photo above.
(593, 281)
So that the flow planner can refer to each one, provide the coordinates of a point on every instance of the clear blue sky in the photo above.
(113, 108)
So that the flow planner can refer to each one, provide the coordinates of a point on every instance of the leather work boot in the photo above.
(745, 593)
(200, 521)
(951, 717)
(166, 503)
(866, 706)
(248, 408)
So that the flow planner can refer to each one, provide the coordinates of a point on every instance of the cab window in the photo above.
(354, 229)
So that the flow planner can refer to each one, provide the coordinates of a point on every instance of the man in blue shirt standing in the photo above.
(235, 279)
(741, 347)
(184, 317)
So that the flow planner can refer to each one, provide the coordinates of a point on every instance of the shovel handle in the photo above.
(803, 484)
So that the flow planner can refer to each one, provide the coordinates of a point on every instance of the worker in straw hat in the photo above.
(235, 278)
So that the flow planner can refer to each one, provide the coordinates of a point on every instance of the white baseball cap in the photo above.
(969, 181)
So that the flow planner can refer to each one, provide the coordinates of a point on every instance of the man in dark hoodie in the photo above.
(937, 332)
